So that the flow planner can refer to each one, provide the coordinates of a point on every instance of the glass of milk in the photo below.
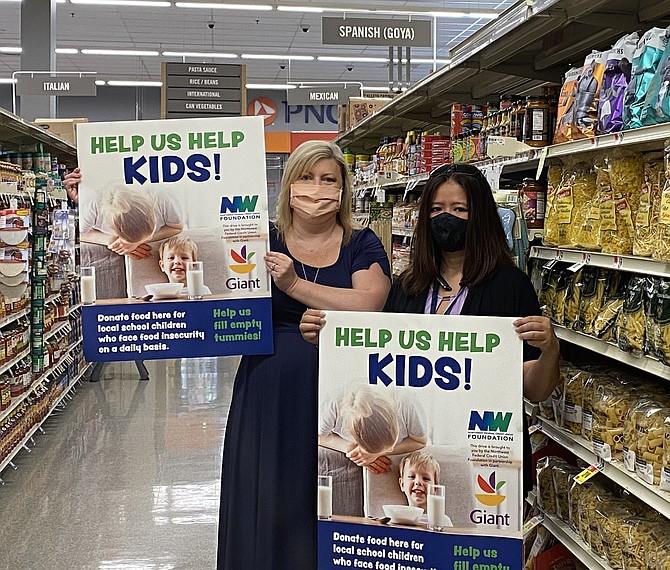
(325, 500)
(195, 280)
(88, 285)
(436, 507)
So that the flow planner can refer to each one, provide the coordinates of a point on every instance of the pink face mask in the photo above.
(315, 200)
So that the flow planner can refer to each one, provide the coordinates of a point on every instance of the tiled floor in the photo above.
(126, 477)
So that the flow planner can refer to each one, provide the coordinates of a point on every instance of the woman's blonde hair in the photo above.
(301, 160)
(372, 419)
(131, 214)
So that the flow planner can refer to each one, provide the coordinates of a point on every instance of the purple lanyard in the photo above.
(455, 305)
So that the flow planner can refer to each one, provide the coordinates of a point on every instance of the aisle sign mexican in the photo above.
(420, 400)
(156, 196)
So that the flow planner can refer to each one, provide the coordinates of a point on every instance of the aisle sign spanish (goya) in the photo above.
(160, 195)
(429, 411)
(376, 32)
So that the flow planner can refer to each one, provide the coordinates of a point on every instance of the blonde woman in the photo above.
(318, 259)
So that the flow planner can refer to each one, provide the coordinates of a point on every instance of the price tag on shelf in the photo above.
(589, 472)
(618, 138)
(531, 523)
(550, 264)
(533, 428)
(576, 266)
(617, 262)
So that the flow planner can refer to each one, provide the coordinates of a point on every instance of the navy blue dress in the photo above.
(268, 485)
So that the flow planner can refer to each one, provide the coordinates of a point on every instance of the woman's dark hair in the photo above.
(486, 246)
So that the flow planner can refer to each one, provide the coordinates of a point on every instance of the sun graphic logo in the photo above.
(489, 497)
(242, 260)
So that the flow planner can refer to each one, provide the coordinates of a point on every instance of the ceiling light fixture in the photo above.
(114, 83)
(139, 53)
(220, 6)
(384, 89)
(10, 49)
(6, 80)
(66, 50)
(200, 54)
(270, 86)
(277, 57)
(100, 82)
(475, 15)
(432, 14)
(353, 59)
(141, 3)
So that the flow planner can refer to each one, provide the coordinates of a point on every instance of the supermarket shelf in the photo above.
(15, 132)
(644, 138)
(612, 351)
(574, 543)
(52, 299)
(402, 233)
(34, 429)
(9, 319)
(607, 260)
(57, 328)
(14, 360)
(74, 308)
(615, 470)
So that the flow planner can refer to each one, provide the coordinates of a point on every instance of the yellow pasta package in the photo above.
(554, 175)
(633, 532)
(605, 321)
(661, 250)
(546, 496)
(661, 321)
(611, 403)
(572, 298)
(593, 282)
(627, 175)
(573, 200)
(573, 394)
(665, 468)
(547, 296)
(563, 474)
(608, 518)
(646, 219)
(650, 438)
(655, 543)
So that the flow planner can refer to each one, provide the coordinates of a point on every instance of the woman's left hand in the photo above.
(537, 331)
(280, 267)
(375, 463)
(122, 247)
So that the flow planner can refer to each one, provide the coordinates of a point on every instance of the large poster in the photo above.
(173, 222)
(420, 442)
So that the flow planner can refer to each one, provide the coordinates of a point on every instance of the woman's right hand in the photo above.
(71, 184)
(311, 323)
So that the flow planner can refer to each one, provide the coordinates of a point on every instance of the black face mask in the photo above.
(449, 231)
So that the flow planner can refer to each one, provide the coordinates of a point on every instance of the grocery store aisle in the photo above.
(126, 477)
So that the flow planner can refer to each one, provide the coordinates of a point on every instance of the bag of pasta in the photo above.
(661, 250)
(633, 532)
(554, 175)
(593, 282)
(609, 516)
(582, 191)
(547, 296)
(547, 406)
(632, 320)
(564, 281)
(665, 467)
(650, 438)
(662, 556)
(573, 393)
(630, 436)
(586, 230)
(546, 496)
(563, 474)
(657, 541)
(627, 175)
(615, 290)
(572, 298)
(565, 203)
(590, 384)
(611, 403)
(589, 501)
(661, 321)
(646, 219)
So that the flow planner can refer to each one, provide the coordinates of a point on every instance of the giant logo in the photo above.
(242, 261)
(489, 497)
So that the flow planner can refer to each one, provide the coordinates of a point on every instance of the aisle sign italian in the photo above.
(428, 408)
(182, 205)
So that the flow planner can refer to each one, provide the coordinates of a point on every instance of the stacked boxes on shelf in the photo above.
(39, 273)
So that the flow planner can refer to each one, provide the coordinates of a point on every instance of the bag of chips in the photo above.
(646, 58)
(657, 102)
(615, 82)
(566, 101)
(587, 93)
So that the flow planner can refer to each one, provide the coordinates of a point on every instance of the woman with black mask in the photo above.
(461, 265)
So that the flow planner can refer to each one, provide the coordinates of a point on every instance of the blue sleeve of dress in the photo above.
(367, 250)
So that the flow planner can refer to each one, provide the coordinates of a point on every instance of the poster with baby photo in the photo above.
(420, 442)
(173, 219)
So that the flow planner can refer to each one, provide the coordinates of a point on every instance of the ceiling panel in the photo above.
(275, 32)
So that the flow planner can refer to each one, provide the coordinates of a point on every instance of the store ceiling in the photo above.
(173, 28)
